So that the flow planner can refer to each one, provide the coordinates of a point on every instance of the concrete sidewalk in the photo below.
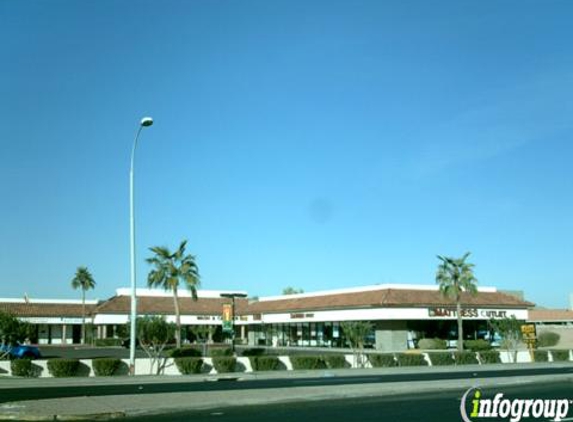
(110, 407)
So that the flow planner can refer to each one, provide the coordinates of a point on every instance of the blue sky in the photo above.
(315, 144)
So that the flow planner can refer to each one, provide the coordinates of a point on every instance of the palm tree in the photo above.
(171, 269)
(455, 276)
(83, 280)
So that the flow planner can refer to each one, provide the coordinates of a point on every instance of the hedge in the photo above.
(560, 355)
(432, 344)
(540, 356)
(224, 364)
(441, 359)
(186, 352)
(264, 363)
(335, 361)
(477, 345)
(409, 359)
(489, 356)
(548, 339)
(382, 360)
(105, 367)
(22, 368)
(189, 365)
(221, 352)
(256, 351)
(108, 342)
(307, 362)
(465, 358)
(60, 368)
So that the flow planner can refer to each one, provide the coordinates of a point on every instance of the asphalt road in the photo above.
(35, 393)
(418, 407)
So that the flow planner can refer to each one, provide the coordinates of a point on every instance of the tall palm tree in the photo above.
(171, 269)
(455, 276)
(83, 280)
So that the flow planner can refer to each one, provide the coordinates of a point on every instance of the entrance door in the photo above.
(76, 334)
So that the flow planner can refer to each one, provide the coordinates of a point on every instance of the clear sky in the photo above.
(314, 144)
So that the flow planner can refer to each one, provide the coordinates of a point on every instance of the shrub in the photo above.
(264, 363)
(441, 358)
(307, 362)
(335, 361)
(189, 365)
(540, 356)
(186, 352)
(409, 359)
(560, 355)
(224, 364)
(60, 368)
(477, 345)
(383, 360)
(108, 342)
(105, 367)
(432, 344)
(489, 356)
(221, 352)
(548, 339)
(256, 351)
(22, 368)
(465, 358)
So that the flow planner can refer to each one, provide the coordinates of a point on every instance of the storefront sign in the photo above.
(301, 316)
(466, 313)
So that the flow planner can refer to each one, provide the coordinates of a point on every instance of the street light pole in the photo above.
(145, 122)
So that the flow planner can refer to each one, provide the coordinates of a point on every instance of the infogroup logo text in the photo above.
(512, 409)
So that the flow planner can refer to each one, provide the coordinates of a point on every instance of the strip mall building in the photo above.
(400, 314)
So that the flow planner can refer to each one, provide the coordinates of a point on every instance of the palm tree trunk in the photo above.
(460, 328)
(177, 319)
(83, 316)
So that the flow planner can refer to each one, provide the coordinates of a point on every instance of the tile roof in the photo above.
(165, 306)
(541, 315)
(385, 298)
(45, 309)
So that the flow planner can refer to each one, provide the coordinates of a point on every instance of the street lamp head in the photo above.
(146, 121)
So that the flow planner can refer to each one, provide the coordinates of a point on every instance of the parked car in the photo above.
(20, 351)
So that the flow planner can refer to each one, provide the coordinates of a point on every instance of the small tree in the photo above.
(289, 290)
(203, 334)
(509, 330)
(153, 334)
(355, 333)
(13, 331)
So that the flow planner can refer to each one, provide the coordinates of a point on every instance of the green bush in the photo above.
(432, 344)
(548, 339)
(221, 352)
(224, 364)
(105, 367)
(560, 355)
(185, 352)
(410, 359)
(382, 360)
(307, 362)
(540, 356)
(465, 358)
(264, 363)
(22, 368)
(489, 356)
(441, 358)
(189, 365)
(256, 351)
(60, 368)
(477, 345)
(108, 342)
(335, 361)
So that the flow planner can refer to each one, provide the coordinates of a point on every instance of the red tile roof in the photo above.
(385, 298)
(45, 309)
